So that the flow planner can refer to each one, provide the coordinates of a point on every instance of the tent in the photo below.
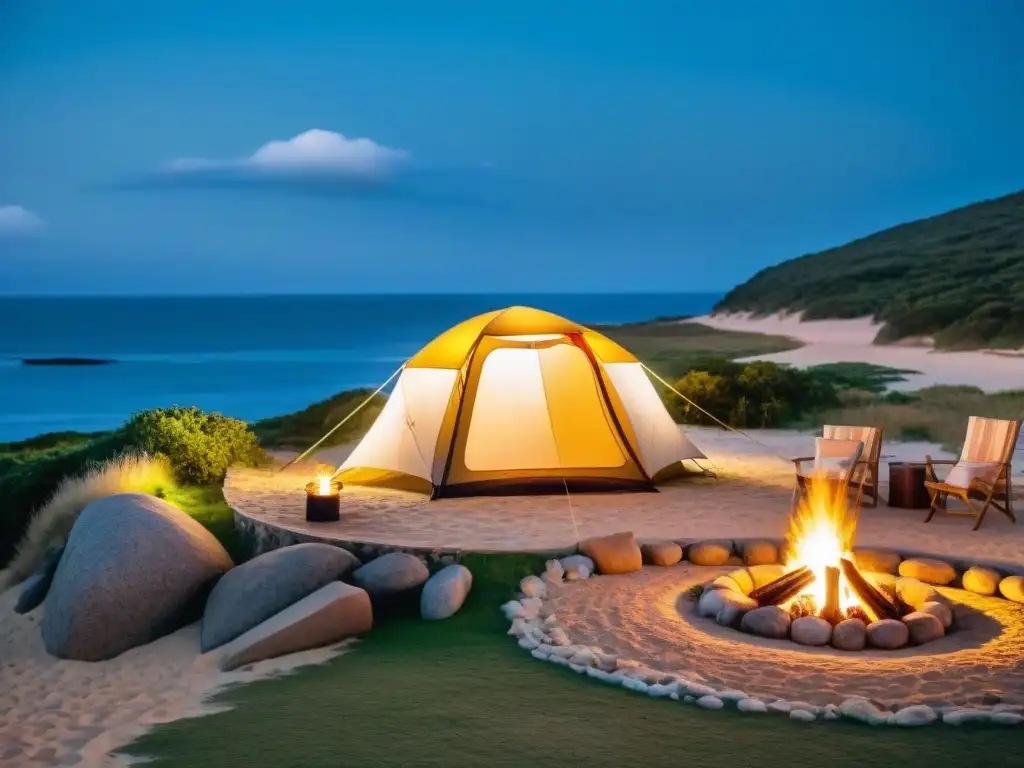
(520, 400)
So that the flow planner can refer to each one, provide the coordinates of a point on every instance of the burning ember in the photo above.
(821, 578)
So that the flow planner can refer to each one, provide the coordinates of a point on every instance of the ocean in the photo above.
(248, 357)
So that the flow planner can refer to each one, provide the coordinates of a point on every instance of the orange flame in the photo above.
(821, 532)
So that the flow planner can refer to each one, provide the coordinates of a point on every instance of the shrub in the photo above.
(51, 525)
(200, 446)
(758, 394)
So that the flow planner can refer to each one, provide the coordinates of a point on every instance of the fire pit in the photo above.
(821, 597)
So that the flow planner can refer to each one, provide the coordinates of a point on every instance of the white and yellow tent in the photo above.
(515, 401)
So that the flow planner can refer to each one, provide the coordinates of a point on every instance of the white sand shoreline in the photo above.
(59, 712)
(837, 341)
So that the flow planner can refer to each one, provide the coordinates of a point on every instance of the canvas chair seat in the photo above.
(980, 478)
(863, 479)
(834, 460)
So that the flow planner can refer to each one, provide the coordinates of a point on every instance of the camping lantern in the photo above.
(323, 500)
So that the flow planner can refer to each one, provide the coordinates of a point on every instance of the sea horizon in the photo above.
(245, 355)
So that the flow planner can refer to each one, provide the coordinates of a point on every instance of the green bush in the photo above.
(200, 446)
(758, 394)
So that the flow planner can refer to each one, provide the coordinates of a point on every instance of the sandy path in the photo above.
(835, 341)
(57, 712)
(645, 617)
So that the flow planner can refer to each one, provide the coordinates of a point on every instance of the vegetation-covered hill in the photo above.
(957, 277)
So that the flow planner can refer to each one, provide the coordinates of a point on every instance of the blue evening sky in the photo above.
(540, 146)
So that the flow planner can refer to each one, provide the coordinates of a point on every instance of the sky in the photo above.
(330, 147)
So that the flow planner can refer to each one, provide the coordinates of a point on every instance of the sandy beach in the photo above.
(58, 712)
(836, 341)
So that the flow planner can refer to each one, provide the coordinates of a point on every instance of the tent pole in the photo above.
(333, 429)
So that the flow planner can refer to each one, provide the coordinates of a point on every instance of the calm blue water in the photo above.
(249, 357)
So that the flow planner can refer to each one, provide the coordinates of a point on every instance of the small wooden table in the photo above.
(906, 485)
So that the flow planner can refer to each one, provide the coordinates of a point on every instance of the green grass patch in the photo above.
(460, 692)
(865, 377)
(301, 429)
(206, 504)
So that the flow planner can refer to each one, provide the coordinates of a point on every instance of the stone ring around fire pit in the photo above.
(757, 600)
(641, 628)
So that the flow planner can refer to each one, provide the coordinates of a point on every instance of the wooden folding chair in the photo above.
(980, 478)
(835, 460)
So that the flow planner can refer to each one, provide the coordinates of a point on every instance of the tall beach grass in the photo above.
(51, 523)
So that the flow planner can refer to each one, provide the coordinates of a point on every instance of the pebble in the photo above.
(916, 593)
(1007, 718)
(877, 560)
(558, 636)
(850, 635)
(781, 706)
(659, 691)
(770, 621)
(981, 580)
(537, 653)
(928, 570)
(1012, 588)
(961, 716)
(810, 630)
(888, 634)
(554, 571)
(533, 586)
(689, 699)
(863, 711)
(923, 627)
(918, 714)
(751, 705)
(802, 715)
(732, 696)
(710, 702)
(513, 609)
(760, 553)
(698, 689)
(709, 553)
(663, 553)
(940, 611)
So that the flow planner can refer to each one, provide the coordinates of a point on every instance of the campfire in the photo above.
(822, 578)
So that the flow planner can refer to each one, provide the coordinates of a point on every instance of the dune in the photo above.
(838, 341)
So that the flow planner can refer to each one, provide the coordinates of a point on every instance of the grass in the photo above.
(301, 429)
(952, 277)
(206, 504)
(461, 693)
(935, 414)
(864, 377)
(672, 348)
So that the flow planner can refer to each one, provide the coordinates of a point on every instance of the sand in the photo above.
(835, 341)
(647, 617)
(58, 712)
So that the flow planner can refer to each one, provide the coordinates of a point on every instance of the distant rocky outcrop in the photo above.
(135, 568)
(266, 585)
(58, 361)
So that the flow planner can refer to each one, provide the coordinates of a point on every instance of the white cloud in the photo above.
(314, 152)
(16, 221)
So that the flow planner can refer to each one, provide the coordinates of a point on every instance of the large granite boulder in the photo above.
(135, 568)
(334, 612)
(266, 585)
(393, 579)
(445, 592)
(34, 590)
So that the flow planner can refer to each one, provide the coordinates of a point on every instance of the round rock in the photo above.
(760, 553)
(617, 553)
(849, 635)
(135, 568)
(770, 621)
(877, 560)
(923, 627)
(751, 705)
(981, 580)
(928, 570)
(734, 608)
(267, 584)
(810, 630)
(940, 611)
(445, 592)
(392, 576)
(709, 553)
(662, 553)
(712, 601)
(889, 634)
(1012, 588)
(918, 714)
(710, 702)
(916, 593)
